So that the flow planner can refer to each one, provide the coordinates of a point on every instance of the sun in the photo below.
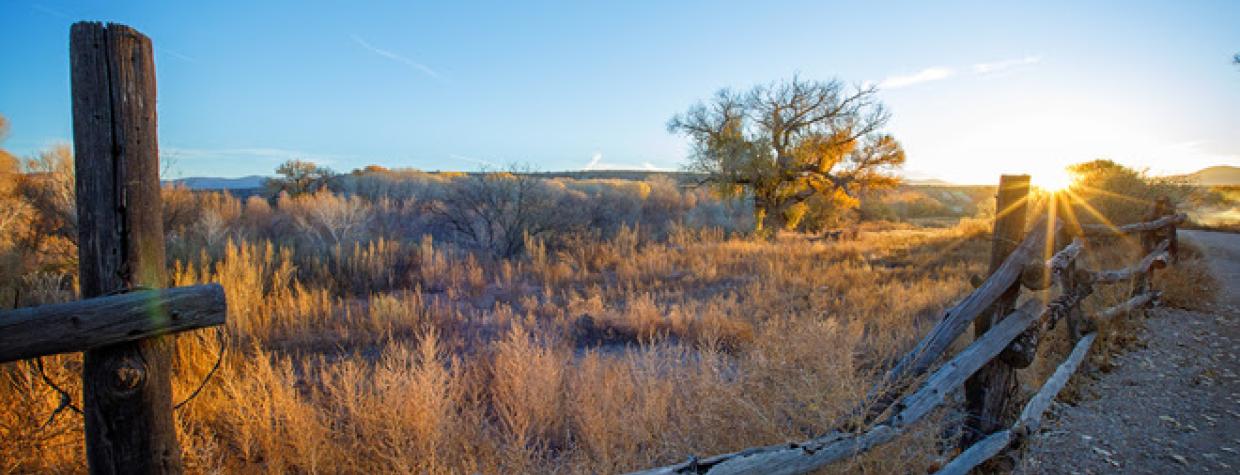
(1053, 179)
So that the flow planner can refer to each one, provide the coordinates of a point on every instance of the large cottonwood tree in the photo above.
(788, 141)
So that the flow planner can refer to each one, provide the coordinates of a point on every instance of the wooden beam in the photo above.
(968, 362)
(977, 453)
(815, 453)
(927, 351)
(127, 388)
(1103, 229)
(1159, 254)
(1075, 285)
(1040, 276)
(1125, 307)
(1030, 417)
(1068, 303)
(98, 322)
(1060, 261)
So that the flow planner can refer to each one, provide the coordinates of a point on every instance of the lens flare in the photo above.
(1053, 179)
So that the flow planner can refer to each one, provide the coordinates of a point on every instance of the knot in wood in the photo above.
(128, 375)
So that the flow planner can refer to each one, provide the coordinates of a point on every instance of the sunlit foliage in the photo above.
(790, 141)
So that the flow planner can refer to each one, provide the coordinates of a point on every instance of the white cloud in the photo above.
(929, 74)
(397, 57)
(996, 66)
(177, 55)
(596, 163)
(937, 73)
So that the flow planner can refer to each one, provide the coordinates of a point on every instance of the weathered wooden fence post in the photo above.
(989, 393)
(1150, 239)
(126, 386)
(1070, 280)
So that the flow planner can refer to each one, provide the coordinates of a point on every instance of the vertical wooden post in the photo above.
(126, 387)
(1143, 282)
(988, 394)
(1071, 281)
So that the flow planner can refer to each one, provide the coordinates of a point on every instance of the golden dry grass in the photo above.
(608, 356)
(701, 345)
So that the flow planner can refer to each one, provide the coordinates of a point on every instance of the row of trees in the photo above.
(798, 149)
(496, 212)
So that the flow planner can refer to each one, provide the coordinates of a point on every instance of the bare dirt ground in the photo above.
(1172, 406)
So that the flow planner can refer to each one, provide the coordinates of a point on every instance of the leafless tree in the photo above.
(790, 140)
(14, 212)
(48, 187)
(496, 210)
(327, 218)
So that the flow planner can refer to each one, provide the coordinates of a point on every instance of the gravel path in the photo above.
(1170, 407)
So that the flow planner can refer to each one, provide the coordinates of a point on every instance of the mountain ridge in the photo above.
(1218, 175)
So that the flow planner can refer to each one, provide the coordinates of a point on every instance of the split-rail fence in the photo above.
(1006, 338)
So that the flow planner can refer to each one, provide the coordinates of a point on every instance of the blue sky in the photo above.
(975, 88)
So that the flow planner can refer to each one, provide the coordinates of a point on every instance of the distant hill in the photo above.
(213, 183)
(927, 182)
(1221, 175)
(920, 178)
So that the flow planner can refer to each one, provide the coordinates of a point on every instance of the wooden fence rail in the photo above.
(1030, 417)
(1021, 326)
(95, 323)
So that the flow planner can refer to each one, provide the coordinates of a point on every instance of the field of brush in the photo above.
(628, 324)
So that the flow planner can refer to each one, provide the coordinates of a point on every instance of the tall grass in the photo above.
(584, 353)
(608, 357)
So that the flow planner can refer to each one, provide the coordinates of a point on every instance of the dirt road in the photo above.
(1171, 407)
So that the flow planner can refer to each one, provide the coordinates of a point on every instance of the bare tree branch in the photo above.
(791, 140)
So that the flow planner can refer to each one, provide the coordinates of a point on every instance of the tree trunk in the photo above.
(769, 216)
(759, 218)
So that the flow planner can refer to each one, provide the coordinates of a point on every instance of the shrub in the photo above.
(1106, 192)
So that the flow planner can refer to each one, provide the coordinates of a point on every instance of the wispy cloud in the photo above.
(424, 69)
(938, 73)
(997, 66)
(49, 10)
(178, 55)
(596, 163)
(935, 73)
(478, 161)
